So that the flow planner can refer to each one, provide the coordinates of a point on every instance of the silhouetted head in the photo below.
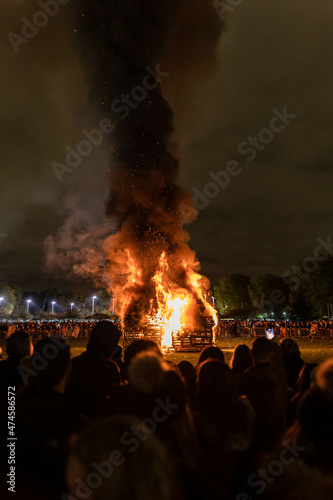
(241, 358)
(262, 350)
(109, 457)
(138, 346)
(188, 373)
(104, 338)
(19, 346)
(324, 376)
(290, 347)
(212, 353)
(51, 361)
(306, 378)
(215, 378)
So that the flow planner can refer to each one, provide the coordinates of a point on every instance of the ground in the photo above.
(312, 351)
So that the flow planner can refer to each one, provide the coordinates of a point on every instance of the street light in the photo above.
(28, 304)
(53, 307)
(93, 305)
(72, 305)
(1, 299)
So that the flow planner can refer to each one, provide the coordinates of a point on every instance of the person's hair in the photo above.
(261, 349)
(132, 468)
(241, 359)
(216, 377)
(187, 371)
(304, 380)
(212, 353)
(324, 376)
(104, 338)
(18, 345)
(51, 359)
(290, 347)
(147, 371)
(138, 346)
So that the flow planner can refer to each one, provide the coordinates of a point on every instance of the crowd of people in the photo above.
(67, 329)
(132, 425)
(290, 328)
(76, 329)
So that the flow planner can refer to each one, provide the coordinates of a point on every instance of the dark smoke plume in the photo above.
(126, 44)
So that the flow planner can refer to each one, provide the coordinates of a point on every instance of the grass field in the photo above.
(312, 351)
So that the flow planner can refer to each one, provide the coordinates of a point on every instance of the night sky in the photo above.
(271, 56)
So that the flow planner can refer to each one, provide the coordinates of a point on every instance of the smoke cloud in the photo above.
(133, 50)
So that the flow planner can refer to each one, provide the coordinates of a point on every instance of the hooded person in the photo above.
(93, 372)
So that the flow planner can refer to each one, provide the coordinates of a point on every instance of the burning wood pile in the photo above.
(173, 313)
(178, 340)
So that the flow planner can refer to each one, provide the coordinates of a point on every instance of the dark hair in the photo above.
(189, 375)
(104, 338)
(50, 360)
(241, 359)
(216, 378)
(261, 348)
(18, 345)
(138, 346)
(211, 352)
(304, 379)
(140, 469)
(289, 347)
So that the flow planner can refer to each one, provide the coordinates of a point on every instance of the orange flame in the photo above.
(174, 309)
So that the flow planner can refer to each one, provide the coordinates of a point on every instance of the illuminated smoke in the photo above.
(123, 42)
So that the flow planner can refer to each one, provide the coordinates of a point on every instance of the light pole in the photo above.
(28, 304)
(93, 305)
(72, 305)
(53, 307)
(1, 300)
(329, 310)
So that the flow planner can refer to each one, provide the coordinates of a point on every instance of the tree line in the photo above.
(296, 296)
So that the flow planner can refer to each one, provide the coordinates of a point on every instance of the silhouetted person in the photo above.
(19, 348)
(313, 428)
(213, 353)
(265, 385)
(293, 363)
(305, 380)
(138, 346)
(241, 359)
(122, 464)
(45, 421)
(93, 372)
(189, 375)
(225, 428)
